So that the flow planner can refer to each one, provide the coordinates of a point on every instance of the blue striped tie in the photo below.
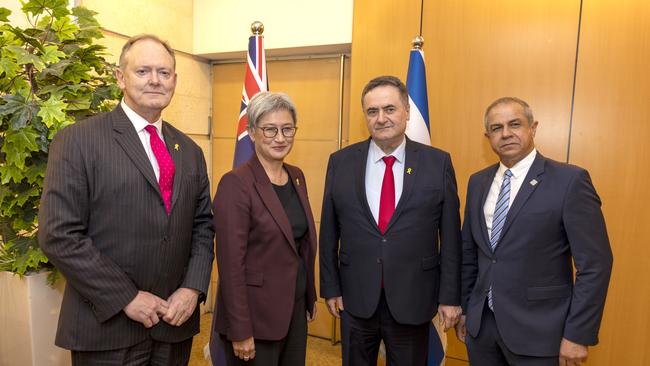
(499, 218)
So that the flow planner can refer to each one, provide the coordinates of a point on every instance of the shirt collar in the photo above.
(376, 153)
(521, 167)
(138, 122)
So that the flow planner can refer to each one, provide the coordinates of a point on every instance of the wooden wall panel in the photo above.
(381, 38)
(610, 138)
(478, 51)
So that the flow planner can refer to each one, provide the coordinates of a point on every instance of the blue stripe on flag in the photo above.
(416, 83)
(243, 150)
(252, 49)
(436, 352)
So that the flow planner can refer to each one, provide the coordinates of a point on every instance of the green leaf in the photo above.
(76, 72)
(88, 25)
(25, 196)
(8, 67)
(35, 173)
(9, 173)
(4, 14)
(52, 111)
(65, 29)
(23, 57)
(18, 146)
(56, 69)
(29, 261)
(79, 104)
(37, 7)
(18, 109)
(52, 54)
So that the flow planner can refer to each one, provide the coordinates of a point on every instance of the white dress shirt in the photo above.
(375, 168)
(140, 123)
(519, 172)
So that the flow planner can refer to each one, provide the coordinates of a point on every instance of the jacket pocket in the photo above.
(430, 262)
(549, 292)
(254, 278)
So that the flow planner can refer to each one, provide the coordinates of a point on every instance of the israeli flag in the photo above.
(417, 128)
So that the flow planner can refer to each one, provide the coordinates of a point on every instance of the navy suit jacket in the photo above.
(555, 221)
(420, 251)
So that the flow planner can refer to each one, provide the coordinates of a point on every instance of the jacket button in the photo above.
(378, 260)
(383, 240)
(494, 260)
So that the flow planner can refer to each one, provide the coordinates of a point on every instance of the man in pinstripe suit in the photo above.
(125, 216)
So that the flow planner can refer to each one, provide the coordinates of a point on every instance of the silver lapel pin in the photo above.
(533, 182)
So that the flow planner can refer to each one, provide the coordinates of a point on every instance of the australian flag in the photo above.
(418, 130)
(255, 81)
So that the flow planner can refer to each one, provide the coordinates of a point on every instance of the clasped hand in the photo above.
(148, 309)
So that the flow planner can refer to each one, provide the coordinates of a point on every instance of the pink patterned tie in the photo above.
(165, 164)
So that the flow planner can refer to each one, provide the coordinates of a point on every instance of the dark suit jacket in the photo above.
(418, 272)
(256, 255)
(550, 223)
(102, 223)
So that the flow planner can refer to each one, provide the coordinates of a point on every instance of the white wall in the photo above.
(223, 26)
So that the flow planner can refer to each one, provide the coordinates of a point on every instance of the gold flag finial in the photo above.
(257, 28)
(418, 42)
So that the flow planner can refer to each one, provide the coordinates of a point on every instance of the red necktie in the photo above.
(387, 198)
(165, 165)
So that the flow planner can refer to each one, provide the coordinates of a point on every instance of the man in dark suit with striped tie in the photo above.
(125, 216)
(528, 220)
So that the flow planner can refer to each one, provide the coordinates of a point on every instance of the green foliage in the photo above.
(51, 74)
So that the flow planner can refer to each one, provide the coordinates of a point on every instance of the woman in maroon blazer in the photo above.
(265, 246)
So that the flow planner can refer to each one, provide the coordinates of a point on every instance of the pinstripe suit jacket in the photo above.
(103, 225)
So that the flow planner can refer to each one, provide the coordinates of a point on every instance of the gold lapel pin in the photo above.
(176, 147)
(409, 170)
(297, 181)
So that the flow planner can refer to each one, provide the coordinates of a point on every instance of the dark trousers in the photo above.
(405, 344)
(289, 351)
(147, 353)
(488, 349)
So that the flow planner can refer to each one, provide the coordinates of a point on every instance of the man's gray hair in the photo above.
(507, 100)
(267, 102)
(127, 46)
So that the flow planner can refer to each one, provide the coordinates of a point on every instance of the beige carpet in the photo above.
(320, 352)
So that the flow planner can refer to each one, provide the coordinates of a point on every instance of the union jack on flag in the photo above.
(255, 81)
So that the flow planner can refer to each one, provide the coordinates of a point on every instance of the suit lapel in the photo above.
(360, 183)
(486, 183)
(271, 201)
(177, 156)
(301, 190)
(128, 139)
(535, 172)
(411, 159)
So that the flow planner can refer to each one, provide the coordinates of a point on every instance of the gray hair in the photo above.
(387, 80)
(127, 46)
(507, 100)
(267, 102)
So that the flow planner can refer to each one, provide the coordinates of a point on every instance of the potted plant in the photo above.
(52, 73)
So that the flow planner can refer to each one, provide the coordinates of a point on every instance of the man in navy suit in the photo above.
(528, 220)
(390, 235)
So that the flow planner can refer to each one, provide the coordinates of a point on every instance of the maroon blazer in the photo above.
(256, 255)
